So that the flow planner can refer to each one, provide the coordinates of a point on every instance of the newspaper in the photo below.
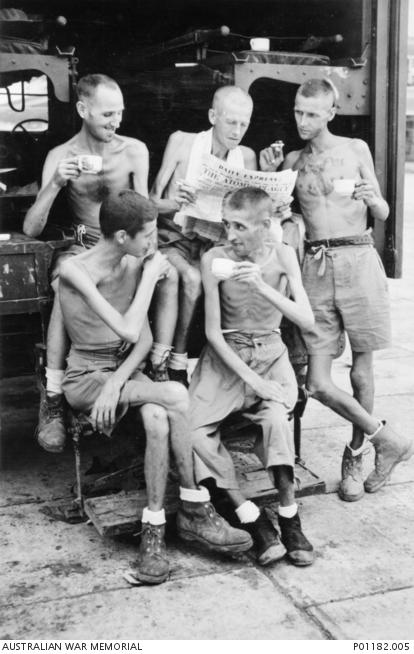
(218, 177)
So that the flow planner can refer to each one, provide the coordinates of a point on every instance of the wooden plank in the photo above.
(120, 513)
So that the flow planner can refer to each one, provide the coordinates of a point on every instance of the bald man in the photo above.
(173, 189)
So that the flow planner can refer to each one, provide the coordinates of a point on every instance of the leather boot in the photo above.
(51, 431)
(299, 549)
(351, 487)
(269, 549)
(390, 449)
(152, 566)
(199, 522)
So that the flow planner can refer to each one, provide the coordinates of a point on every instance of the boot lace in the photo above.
(212, 514)
(152, 539)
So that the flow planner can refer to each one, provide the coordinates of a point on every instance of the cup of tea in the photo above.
(90, 163)
(222, 268)
(344, 187)
(260, 44)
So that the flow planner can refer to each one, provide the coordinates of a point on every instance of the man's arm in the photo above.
(140, 167)
(129, 325)
(368, 188)
(57, 171)
(249, 158)
(266, 389)
(170, 161)
(291, 159)
(297, 309)
(103, 413)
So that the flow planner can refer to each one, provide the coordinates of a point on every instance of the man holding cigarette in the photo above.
(344, 279)
(184, 239)
(92, 164)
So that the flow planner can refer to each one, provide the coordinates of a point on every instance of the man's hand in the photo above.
(269, 389)
(283, 210)
(67, 169)
(365, 189)
(157, 265)
(270, 159)
(248, 272)
(186, 193)
(104, 410)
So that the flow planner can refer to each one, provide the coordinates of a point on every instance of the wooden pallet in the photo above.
(120, 513)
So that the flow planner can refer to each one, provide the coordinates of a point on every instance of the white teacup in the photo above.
(260, 44)
(90, 163)
(222, 268)
(344, 186)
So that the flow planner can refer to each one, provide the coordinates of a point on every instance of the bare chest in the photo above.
(316, 174)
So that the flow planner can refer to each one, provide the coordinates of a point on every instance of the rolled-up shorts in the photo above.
(88, 371)
(351, 295)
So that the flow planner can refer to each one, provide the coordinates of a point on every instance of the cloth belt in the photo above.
(110, 353)
(319, 248)
(251, 339)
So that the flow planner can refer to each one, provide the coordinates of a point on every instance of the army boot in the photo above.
(390, 449)
(351, 487)
(199, 522)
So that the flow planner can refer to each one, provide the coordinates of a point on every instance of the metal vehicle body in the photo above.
(170, 57)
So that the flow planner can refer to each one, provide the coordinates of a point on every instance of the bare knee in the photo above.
(319, 389)
(361, 379)
(169, 285)
(191, 279)
(177, 397)
(155, 420)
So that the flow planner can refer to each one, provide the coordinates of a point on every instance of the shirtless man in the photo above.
(245, 367)
(124, 165)
(174, 188)
(105, 294)
(344, 279)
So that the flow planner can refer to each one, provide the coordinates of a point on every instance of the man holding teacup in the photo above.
(92, 164)
(344, 279)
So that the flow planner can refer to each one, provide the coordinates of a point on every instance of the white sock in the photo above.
(288, 511)
(178, 361)
(247, 512)
(54, 379)
(153, 517)
(160, 354)
(381, 424)
(359, 450)
(194, 494)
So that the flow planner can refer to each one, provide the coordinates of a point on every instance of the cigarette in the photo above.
(277, 145)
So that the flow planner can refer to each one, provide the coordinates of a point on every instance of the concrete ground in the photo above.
(65, 581)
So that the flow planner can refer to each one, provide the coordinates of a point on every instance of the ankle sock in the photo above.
(381, 424)
(288, 511)
(178, 361)
(160, 354)
(247, 512)
(194, 494)
(359, 450)
(153, 517)
(54, 379)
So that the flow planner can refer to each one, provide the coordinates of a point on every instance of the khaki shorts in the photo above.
(84, 241)
(351, 295)
(173, 243)
(88, 371)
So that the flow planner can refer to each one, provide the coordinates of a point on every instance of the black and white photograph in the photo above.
(207, 324)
